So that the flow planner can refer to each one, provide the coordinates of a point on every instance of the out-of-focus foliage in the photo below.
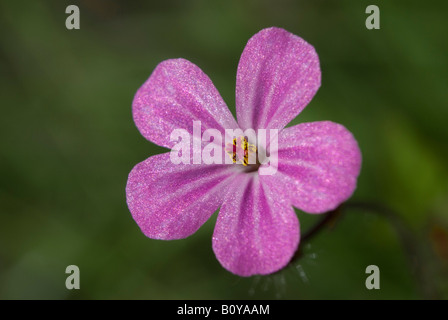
(68, 142)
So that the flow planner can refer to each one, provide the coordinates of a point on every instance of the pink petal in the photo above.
(318, 165)
(257, 231)
(171, 201)
(278, 75)
(176, 94)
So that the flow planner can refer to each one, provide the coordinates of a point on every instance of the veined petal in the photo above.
(318, 165)
(278, 75)
(171, 201)
(176, 94)
(257, 231)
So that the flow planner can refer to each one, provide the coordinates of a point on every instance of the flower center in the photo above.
(241, 151)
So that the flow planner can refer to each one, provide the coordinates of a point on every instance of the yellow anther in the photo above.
(240, 153)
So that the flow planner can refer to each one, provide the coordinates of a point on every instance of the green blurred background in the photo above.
(68, 142)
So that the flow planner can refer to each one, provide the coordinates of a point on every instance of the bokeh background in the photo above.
(68, 142)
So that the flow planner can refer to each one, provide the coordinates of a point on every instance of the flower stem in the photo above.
(408, 240)
(327, 217)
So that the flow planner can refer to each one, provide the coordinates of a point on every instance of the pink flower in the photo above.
(257, 230)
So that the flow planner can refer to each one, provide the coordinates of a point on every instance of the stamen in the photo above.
(240, 153)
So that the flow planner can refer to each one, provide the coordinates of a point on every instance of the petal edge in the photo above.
(256, 231)
(170, 201)
(177, 93)
(278, 75)
(318, 165)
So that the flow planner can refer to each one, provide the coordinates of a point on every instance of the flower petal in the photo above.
(176, 94)
(171, 201)
(318, 165)
(278, 75)
(257, 231)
